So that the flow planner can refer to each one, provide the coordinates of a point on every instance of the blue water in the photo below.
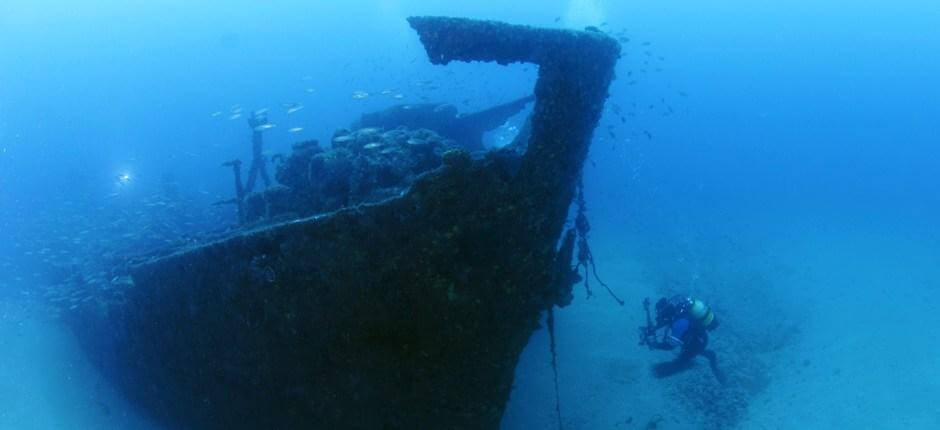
(778, 159)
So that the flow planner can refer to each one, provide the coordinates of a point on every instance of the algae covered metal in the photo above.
(407, 313)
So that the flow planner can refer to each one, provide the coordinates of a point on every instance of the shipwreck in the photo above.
(407, 312)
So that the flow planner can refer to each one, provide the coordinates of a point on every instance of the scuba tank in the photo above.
(703, 313)
(680, 306)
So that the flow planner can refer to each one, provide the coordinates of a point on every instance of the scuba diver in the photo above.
(258, 121)
(687, 321)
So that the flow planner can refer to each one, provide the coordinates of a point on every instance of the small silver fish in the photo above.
(264, 127)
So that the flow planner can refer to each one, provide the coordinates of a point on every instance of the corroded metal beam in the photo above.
(575, 71)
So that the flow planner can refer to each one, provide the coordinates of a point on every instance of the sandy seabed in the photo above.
(823, 325)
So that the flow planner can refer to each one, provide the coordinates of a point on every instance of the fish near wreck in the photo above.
(407, 313)
(465, 129)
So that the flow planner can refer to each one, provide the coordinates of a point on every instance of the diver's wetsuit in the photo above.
(694, 341)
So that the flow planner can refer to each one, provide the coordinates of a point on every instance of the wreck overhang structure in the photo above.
(409, 313)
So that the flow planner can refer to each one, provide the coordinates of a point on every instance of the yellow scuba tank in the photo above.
(702, 312)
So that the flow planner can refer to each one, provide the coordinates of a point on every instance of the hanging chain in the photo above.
(585, 257)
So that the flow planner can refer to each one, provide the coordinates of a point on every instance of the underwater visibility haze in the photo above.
(767, 170)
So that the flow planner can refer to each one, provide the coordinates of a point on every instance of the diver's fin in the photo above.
(713, 363)
(493, 117)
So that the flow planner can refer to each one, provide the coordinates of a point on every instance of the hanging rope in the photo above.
(551, 336)
(585, 261)
(585, 257)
